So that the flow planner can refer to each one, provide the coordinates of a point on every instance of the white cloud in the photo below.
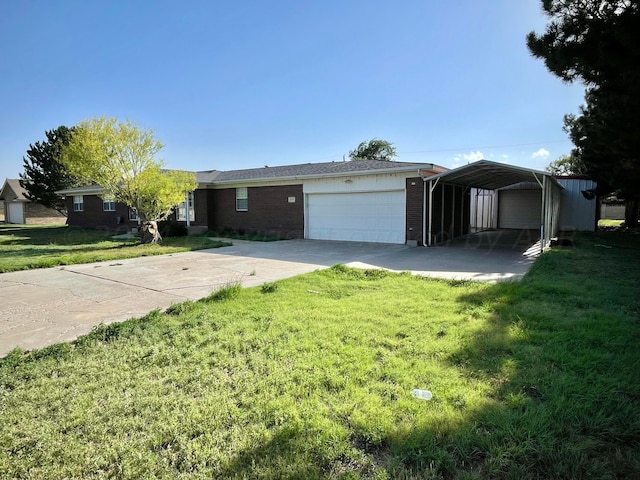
(473, 156)
(540, 153)
(466, 158)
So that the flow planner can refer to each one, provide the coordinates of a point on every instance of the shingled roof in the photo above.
(310, 170)
(289, 172)
(19, 193)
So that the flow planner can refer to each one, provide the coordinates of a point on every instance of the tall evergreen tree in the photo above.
(44, 174)
(596, 42)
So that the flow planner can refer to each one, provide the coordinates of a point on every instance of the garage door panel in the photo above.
(519, 209)
(15, 213)
(364, 217)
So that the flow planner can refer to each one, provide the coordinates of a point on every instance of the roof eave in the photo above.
(413, 168)
(92, 190)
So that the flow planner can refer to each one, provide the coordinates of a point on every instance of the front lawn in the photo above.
(23, 247)
(311, 377)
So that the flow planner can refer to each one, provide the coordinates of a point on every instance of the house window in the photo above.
(185, 206)
(108, 204)
(133, 216)
(242, 199)
(78, 203)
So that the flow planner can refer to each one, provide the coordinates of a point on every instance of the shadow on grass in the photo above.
(57, 235)
(561, 352)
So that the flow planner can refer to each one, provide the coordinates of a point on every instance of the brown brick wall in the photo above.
(200, 206)
(35, 213)
(93, 215)
(415, 192)
(269, 211)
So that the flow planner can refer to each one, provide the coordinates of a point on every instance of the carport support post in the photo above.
(464, 191)
(432, 186)
(543, 233)
(543, 216)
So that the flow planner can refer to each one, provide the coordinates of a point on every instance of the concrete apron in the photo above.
(47, 306)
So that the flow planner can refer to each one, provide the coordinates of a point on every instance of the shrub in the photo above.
(227, 292)
(268, 287)
(170, 228)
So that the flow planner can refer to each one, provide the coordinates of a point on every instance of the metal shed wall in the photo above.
(577, 212)
(484, 208)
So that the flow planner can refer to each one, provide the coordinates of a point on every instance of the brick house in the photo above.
(366, 201)
(372, 201)
(17, 208)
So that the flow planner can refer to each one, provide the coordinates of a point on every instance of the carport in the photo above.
(448, 209)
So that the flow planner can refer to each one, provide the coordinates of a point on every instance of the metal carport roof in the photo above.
(488, 175)
(491, 175)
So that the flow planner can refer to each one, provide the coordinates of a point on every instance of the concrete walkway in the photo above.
(46, 306)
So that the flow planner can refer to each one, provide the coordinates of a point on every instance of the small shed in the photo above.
(505, 202)
(18, 208)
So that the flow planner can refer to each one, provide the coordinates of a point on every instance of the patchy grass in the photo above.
(313, 379)
(23, 247)
(241, 235)
(609, 224)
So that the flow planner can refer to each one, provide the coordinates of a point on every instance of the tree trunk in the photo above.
(631, 212)
(150, 233)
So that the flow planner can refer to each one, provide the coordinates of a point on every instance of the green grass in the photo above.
(252, 236)
(311, 377)
(24, 247)
(609, 224)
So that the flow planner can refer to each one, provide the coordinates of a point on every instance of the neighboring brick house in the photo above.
(17, 208)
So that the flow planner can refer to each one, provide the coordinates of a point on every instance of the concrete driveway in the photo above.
(42, 307)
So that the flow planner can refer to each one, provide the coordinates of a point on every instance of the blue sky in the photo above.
(243, 84)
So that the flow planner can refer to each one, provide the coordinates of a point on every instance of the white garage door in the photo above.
(358, 217)
(15, 213)
(519, 209)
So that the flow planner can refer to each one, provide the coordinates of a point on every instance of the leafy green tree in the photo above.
(596, 42)
(566, 165)
(44, 174)
(120, 157)
(374, 149)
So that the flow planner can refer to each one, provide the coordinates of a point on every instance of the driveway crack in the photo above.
(120, 282)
